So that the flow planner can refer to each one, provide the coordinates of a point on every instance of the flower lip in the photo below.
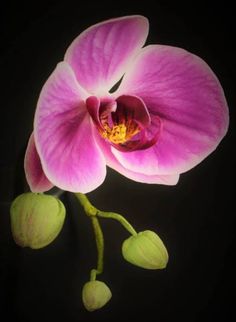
(122, 122)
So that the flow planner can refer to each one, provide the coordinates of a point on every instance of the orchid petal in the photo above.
(113, 163)
(35, 176)
(70, 157)
(101, 54)
(182, 90)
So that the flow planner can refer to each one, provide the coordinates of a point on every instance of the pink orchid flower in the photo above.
(168, 113)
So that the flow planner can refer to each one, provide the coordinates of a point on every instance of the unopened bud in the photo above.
(95, 295)
(146, 250)
(36, 219)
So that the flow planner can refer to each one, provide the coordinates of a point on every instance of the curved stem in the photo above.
(94, 213)
(100, 247)
(89, 209)
(119, 218)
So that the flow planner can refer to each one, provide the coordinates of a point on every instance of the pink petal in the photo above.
(70, 157)
(101, 54)
(183, 91)
(113, 163)
(35, 176)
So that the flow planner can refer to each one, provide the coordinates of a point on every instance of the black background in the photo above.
(195, 218)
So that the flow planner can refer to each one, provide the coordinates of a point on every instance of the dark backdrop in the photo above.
(195, 218)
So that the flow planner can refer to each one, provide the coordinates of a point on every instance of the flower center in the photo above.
(116, 134)
(119, 133)
(125, 122)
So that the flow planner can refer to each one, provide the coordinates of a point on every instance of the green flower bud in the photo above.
(95, 295)
(146, 250)
(36, 219)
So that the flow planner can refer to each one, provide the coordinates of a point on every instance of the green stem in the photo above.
(89, 209)
(119, 218)
(100, 247)
(94, 213)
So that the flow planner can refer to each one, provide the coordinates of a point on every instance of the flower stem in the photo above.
(94, 213)
(119, 218)
(89, 209)
(100, 248)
